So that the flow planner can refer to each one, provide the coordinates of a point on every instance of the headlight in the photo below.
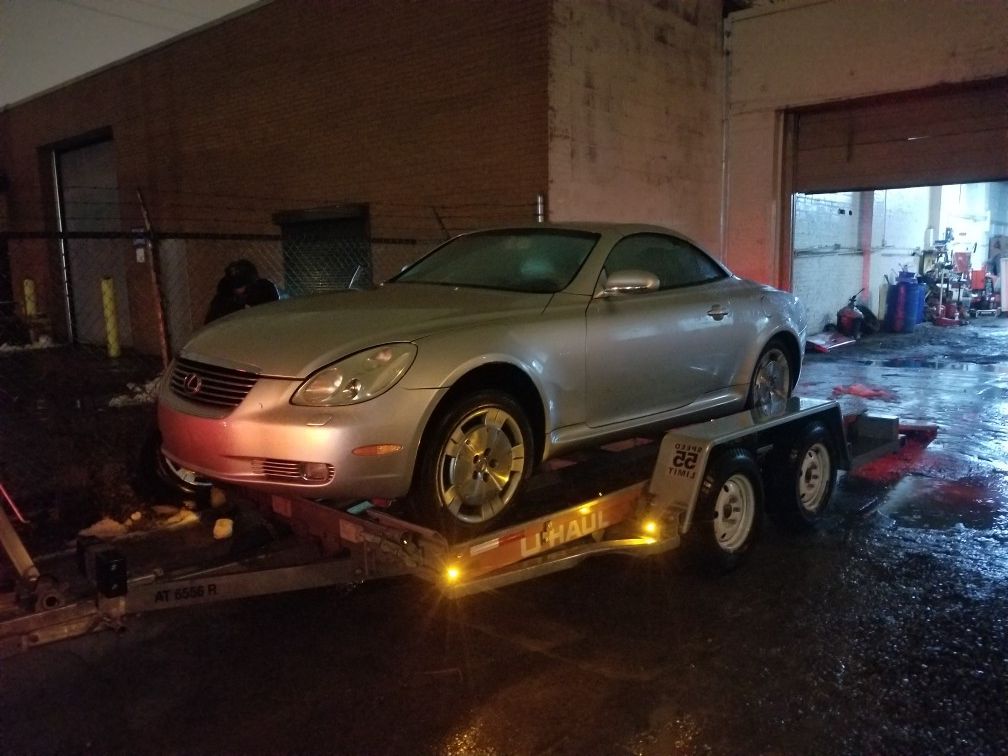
(356, 378)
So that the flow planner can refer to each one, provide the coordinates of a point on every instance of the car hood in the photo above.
(293, 338)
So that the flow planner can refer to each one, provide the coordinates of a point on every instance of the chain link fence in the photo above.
(93, 318)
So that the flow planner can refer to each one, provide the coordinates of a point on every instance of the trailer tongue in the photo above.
(705, 496)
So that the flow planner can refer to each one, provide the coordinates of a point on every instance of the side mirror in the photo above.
(629, 282)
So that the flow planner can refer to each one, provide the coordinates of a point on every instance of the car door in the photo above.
(653, 351)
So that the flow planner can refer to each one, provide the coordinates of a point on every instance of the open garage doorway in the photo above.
(862, 242)
(907, 183)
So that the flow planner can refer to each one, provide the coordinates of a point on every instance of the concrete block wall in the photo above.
(829, 266)
(636, 100)
(826, 222)
(824, 283)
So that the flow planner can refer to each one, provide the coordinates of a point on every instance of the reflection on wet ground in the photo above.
(956, 487)
(884, 632)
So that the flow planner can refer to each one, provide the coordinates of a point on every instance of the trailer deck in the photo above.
(693, 493)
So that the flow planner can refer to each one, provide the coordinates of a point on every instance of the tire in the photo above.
(804, 475)
(463, 495)
(728, 513)
(158, 477)
(771, 382)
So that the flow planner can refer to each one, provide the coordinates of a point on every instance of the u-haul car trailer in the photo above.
(704, 497)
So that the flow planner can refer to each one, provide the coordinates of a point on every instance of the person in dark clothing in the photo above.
(239, 288)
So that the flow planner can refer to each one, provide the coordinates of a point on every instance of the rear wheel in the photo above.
(728, 512)
(770, 386)
(473, 463)
(804, 477)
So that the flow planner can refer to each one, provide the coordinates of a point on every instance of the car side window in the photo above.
(674, 261)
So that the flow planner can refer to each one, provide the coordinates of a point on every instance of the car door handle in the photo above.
(717, 312)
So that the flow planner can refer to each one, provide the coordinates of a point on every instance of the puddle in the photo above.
(961, 363)
(934, 504)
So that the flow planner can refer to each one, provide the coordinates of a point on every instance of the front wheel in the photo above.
(728, 512)
(156, 476)
(472, 464)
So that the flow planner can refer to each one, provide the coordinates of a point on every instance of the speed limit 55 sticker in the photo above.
(684, 460)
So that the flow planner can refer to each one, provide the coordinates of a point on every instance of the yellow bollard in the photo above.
(30, 299)
(111, 319)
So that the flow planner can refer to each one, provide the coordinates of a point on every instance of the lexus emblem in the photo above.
(193, 383)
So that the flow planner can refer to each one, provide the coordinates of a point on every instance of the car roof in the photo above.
(592, 226)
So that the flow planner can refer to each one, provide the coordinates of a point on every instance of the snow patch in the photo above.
(144, 393)
(106, 527)
(42, 342)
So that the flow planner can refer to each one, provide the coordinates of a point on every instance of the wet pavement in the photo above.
(885, 631)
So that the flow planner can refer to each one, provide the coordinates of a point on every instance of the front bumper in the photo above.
(265, 441)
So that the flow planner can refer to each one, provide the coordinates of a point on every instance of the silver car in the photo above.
(453, 380)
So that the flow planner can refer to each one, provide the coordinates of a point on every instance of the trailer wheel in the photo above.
(473, 463)
(728, 512)
(804, 475)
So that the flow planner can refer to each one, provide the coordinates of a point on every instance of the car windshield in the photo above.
(535, 260)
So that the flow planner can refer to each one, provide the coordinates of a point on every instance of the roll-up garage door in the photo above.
(919, 139)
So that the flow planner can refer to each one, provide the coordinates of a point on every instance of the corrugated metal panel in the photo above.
(921, 139)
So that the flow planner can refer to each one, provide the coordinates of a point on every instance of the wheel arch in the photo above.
(793, 349)
(499, 376)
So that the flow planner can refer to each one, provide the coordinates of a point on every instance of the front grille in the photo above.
(209, 384)
(282, 469)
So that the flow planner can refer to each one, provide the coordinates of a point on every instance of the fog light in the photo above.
(315, 471)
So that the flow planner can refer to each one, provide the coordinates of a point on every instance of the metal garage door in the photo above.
(920, 139)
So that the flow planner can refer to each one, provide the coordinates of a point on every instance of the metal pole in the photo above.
(540, 208)
(68, 305)
(111, 317)
(15, 548)
(155, 276)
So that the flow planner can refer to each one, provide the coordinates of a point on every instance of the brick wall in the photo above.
(422, 110)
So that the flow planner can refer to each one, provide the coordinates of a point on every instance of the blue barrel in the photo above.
(903, 304)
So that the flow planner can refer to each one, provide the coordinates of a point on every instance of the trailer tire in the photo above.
(728, 513)
(804, 475)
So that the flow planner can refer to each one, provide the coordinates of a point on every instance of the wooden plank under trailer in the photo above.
(695, 495)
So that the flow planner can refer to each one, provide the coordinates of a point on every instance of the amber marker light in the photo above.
(651, 528)
(376, 450)
(452, 574)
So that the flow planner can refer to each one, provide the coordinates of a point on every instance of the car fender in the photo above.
(551, 358)
(774, 313)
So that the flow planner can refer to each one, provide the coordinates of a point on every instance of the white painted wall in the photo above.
(828, 263)
(966, 210)
(804, 52)
(824, 283)
(636, 103)
(826, 222)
